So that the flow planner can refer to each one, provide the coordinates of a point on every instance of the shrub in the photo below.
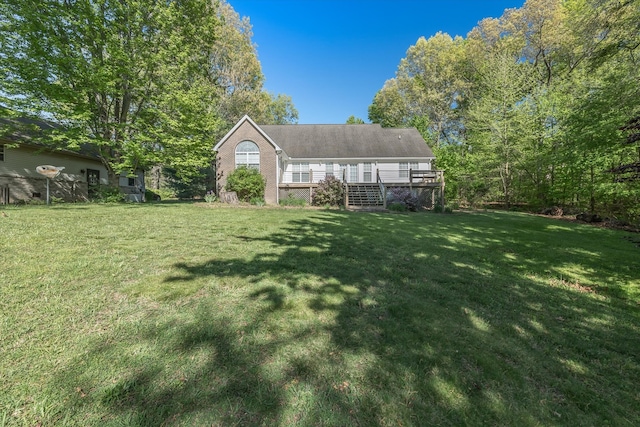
(151, 196)
(397, 207)
(247, 183)
(330, 191)
(442, 209)
(404, 197)
(109, 194)
(257, 201)
(210, 197)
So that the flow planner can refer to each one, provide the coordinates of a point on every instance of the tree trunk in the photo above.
(592, 198)
(114, 178)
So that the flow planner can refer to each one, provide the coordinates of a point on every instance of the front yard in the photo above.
(183, 314)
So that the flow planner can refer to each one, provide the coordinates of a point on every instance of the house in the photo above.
(368, 159)
(83, 173)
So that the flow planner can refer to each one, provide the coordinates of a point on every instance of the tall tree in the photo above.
(353, 120)
(130, 77)
(499, 119)
(428, 83)
(237, 75)
(279, 110)
(389, 107)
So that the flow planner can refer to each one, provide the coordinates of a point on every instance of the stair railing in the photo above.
(383, 189)
(346, 187)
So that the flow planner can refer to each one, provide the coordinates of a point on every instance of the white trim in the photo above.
(277, 178)
(240, 122)
(357, 159)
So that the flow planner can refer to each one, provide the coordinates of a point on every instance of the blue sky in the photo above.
(332, 56)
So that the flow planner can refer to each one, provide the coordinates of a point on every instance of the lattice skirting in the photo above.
(296, 193)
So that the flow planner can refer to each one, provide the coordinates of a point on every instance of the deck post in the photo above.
(442, 189)
(411, 179)
(346, 195)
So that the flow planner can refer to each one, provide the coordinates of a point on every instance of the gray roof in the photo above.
(30, 131)
(348, 141)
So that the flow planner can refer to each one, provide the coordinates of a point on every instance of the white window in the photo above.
(367, 172)
(353, 173)
(328, 169)
(1, 153)
(404, 168)
(349, 172)
(300, 172)
(248, 154)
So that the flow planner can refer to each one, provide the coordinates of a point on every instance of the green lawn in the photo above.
(183, 314)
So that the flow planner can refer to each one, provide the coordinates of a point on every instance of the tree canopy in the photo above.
(144, 82)
(530, 107)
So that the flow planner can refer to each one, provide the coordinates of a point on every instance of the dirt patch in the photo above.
(576, 286)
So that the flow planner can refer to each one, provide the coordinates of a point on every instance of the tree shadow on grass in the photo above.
(377, 319)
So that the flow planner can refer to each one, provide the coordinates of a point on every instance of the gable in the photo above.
(243, 122)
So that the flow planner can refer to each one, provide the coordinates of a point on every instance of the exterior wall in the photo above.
(18, 173)
(133, 186)
(22, 189)
(389, 170)
(226, 160)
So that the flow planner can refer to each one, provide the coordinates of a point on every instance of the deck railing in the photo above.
(425, 175)
(389, 176)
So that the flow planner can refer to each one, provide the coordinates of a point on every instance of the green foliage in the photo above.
(353, 120)
(210, 196)
(152, 196)
(292, 200)
(397, 207)
(187, 188)
(404, 197)
(247, 183)
(330, 191)
(389, 107)
(528, 109)
(145, 82)
(130, 78)
(280, 111)
(257, 201)
(438, 208)
(108, 194)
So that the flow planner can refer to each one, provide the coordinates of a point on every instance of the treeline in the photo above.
(538, 107)
(145, 82)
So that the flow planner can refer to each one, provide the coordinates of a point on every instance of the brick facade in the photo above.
(225, 159)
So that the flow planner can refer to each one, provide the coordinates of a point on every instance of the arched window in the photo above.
(248, 154)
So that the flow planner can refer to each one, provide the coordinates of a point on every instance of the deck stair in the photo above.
(365, 195)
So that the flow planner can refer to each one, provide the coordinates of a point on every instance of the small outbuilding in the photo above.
(83, 174)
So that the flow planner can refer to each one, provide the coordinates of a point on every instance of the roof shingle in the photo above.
(348, 141)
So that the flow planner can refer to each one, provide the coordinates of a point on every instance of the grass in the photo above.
(182, 314)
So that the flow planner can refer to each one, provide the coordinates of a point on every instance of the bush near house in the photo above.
(403, 199)
(247, 183)
(330, 191)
